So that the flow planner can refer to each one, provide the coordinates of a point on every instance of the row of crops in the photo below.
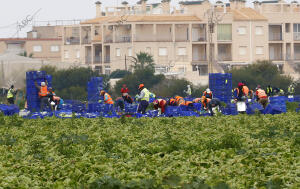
(259, 151)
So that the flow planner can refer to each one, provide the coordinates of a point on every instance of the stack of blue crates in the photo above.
(33, 100)
(95, 85)
(9, 110)
(278, 102)
(221, 86)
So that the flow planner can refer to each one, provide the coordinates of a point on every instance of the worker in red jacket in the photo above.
(124, 91)
(161, 105)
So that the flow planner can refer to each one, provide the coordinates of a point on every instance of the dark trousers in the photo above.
(143, 106)
(44, 103)
(119, 103)
(11, 100)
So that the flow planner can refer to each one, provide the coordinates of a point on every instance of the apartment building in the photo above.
(43, 42)
(181, 40)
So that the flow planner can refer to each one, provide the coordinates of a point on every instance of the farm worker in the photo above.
(208, 94)
(119, 102)
(53, 97)
(188, 103)
(214, 104)
(246, 90)
(269, 90)
(43, 94)
(144, 98)
(188, 91)
(197, 100)
(11, 95)
(239, 93)
(172, 102)
(106, 97)
(161, 105)
(127, 98)
(291, 90)
(205, 102)
(179, 100)
(261, 96)
(124, 90)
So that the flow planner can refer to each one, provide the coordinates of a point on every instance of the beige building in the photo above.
(42, 43)
(180, 39)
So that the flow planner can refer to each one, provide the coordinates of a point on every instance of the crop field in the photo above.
(259, 151)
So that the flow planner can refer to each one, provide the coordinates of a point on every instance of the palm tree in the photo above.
(143, 61)
(25, 54)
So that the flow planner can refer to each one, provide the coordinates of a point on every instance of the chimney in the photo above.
(165, 4)
(98, 9)
(237, 4)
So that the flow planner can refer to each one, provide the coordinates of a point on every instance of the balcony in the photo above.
(107, 59)
(98, 59)
(108, 40)
(123, 39)
(224, 57)
(72, 41)
(86, 41)
(297, 36)
(275, 36)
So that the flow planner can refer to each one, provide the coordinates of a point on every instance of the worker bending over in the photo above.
(172, 102)
(143, 98)
(106, 97)
(179, 100)
(43, 94)
(261, 96)
(208, 93)
(210, 105)
(54, 99)
(161, 105)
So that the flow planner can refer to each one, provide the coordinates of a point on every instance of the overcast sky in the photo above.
(13, 11)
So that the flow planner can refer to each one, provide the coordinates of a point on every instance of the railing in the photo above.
(124, 39)
(108, 40)
(297, 36)
(107, 59)
(72, 41)
(224, 57)
(98, 59)
(86, 41)
(275, 36)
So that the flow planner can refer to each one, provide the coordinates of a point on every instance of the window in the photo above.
(162, 52)
(259, 50)
(118, 52)
(107, 70)
(181, 51)
(98, 69)
(202, 69)
(259, 30)
(129, 51)
(148, 50)
(287, 27)
(77, 53)
(242, 30)
(54, 48)
(224, 32)
(66, 54)
(37, 48)
(242, 50)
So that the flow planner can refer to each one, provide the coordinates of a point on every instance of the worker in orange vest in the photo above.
(261, 96)
(240, 93)
(107, 98)
(43, 94)
(179, 100)
(160, 104)
(208, 94)
(205, 102)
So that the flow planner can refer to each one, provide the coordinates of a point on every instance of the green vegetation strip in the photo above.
(221, 152)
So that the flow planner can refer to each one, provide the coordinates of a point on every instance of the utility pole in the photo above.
(213, 18)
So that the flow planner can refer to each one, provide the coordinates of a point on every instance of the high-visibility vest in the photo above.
(291, 90)
(269, 90)
(172, 102)
(43, 91)
(238, 91)
(147, 94)
(261, 93)
(246, 90)
(187, 103)
(207, 95)
(179, 100)
(108, 98)
(10, 93)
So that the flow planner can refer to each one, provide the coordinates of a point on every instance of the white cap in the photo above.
(208, 90)
(43, 84)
